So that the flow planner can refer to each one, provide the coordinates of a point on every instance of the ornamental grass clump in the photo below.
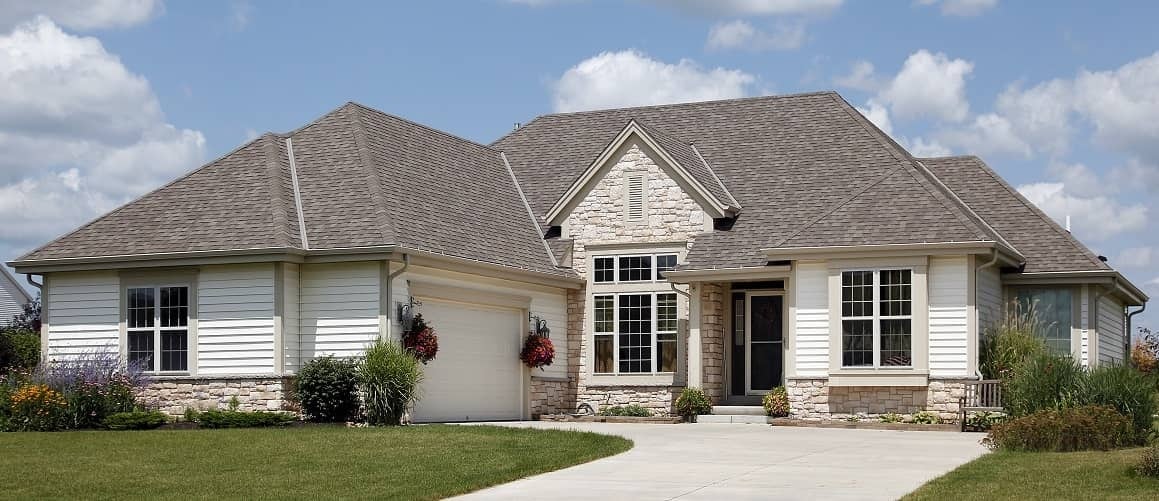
(776, 402)
(1044, 382)
(389, 376)
(1017, 338)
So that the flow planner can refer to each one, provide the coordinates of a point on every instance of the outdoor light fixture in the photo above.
(406, 313)
(539, 326)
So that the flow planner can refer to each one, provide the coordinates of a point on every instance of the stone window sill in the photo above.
(633, 380)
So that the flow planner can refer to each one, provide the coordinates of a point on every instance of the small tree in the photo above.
(1145, 352)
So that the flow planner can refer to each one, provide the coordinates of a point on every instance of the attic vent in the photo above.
(635, 198)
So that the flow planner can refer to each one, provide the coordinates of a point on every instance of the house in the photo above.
(13, 297)
(733, 246)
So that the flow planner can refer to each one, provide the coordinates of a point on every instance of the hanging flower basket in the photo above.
(421, 340)
(537, 352)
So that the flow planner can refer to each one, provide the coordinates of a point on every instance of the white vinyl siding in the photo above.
(339, 308)
(83, 313)
(12, 300)
(290, 316)
(989, 298)
(235, 319)
(949, 331)
(810, 342)
(1111, 333)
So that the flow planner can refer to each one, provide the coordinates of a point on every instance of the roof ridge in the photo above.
(274, 174)
(423, 126)
(374, 183)
(530, 213)
(689, 103)
(1025, 201)
(144, 195)
(838, 205)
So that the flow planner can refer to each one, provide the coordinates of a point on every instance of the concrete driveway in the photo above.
(732, 461)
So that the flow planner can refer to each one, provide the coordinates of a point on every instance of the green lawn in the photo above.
(415, 462)
(1043, 475)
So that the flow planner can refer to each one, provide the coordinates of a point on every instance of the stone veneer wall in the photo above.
(550, 396)
(174, 395)
(813, 399)
(712, 341)
(659, 399)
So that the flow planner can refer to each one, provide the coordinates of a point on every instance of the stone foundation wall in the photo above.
(813, 399)
(174, 395)
(551, 396)
(659, 399)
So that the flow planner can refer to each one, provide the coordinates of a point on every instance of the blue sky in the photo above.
(103, 102)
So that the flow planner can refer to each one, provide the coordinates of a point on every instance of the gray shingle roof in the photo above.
(1045, 244)
(365, 179)
(807, 169)
(685, 154)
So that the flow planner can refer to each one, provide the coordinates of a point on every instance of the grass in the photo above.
(317, 462)
(1043, 475)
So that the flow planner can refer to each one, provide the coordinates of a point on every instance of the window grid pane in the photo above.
(856, 343)
(174, 306)
(738, 322)
(604, 270)
(895, 293)
(604, 351)
(1052, 309)
(635, 332)
(174, 350)
(857, 294)
(140, 307)
(141, 349)
(895, 342)
(605, 320)
(665, 262)
(666, 319)
(635, 268)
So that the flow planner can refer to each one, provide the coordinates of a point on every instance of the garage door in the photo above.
(476, 375)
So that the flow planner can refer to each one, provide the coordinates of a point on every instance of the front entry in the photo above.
(757, 342)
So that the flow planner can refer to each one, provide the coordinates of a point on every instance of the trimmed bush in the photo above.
(983, 421)
(1091, 427)
(1149, 462)
(136, 420)
(389, 376)
(239, 419)
(1044, 382)
(776, 402)
(633, 410)
(692, 402)
(327, 389)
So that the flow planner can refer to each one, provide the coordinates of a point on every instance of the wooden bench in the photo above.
(980, 396)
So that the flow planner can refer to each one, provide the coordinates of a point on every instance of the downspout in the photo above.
(39, 286)
(977, 317)
(1127, 353)
(390, 311)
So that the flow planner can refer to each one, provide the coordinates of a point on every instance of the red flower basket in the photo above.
(421, 340)
(537, 352)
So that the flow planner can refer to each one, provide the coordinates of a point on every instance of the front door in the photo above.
(764, 343)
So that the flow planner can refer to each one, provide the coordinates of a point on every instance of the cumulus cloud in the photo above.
(962, 8)
(877, 114)
(862, 76)
(80, 133)
(80, 14)
(752, 7)
(742, 35)
(929, 85)
(631, 78)
(924, 148)
(988, 133)
(1096, 218)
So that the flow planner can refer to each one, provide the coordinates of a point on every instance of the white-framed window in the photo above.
(629, 268)
(877, 318)
(157, 327)
(635, 332)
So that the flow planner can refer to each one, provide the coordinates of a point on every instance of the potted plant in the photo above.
(421, 340)
(538, 351)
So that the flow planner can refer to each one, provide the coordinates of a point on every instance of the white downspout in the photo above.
(977, 315)
(390, 313)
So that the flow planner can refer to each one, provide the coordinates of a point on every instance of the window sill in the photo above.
(634, 380)
(878, 377)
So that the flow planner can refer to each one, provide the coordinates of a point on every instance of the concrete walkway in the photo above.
(734, 461)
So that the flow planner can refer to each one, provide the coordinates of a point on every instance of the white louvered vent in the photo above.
(636, 198)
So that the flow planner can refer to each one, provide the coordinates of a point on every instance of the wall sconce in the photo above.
(539, 326)
(406, 313)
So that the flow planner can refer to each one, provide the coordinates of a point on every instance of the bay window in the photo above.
(876, 318)
(635, 333)
(1053, 312)
(157, 327)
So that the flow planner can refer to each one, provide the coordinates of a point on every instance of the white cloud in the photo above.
(929, 85)
(80, 134)
(80, 14)
(986, 134)
(1039, 115)
(924, 148)
(1133, 257)
(752, 7)
(862, 76)
(742, 35)
(962, 8)
(1079, 179)
(1095, 218)
(631, 78)
(877, 114)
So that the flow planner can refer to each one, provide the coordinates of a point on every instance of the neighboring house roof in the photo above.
(1047, 246)
(363, 178)
(807, 169)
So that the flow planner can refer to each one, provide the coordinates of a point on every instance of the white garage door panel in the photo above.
(476, 375)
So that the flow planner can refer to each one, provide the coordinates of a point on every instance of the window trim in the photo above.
(156, 281)
(877, 318)
(654, 332)
(654, 267)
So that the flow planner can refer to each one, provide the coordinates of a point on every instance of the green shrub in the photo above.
(390, 378)
(19, 350)
(1017, 338)
(327, 389)
(1043, 382)
(633, 410)
(1127, 390)
(925, 417)
(891, 417)
(136, 420)
(776, 402)
(692, 402)
(983, 421)
(239, 419)
(1149, 462)
(1091, 427)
